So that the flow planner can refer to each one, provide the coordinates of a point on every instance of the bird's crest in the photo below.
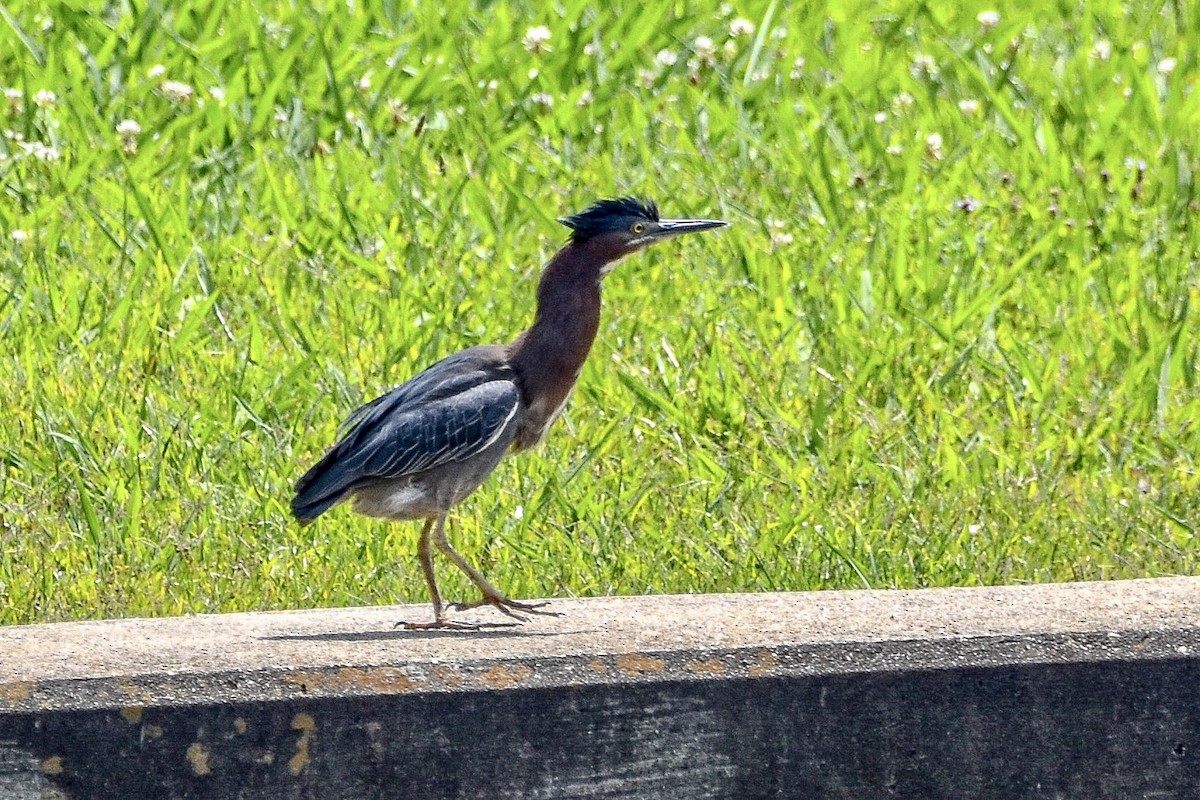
(605, 215)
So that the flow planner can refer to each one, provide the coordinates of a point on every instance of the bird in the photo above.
(419, 450)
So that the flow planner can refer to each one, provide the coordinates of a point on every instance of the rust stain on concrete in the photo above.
(446, 676)
(637, 664)
(197, 756)
(307, 726)
(378, 680)
(711, 666)
(599, 667)
(502, 677)
(152, 731)
(17, 691)
(52, 765)
(133, 714)
(134, 692)
(239, 725)
(766, 664)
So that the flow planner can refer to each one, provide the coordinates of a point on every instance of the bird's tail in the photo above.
(319, 489)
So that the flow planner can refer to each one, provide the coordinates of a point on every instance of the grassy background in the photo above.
(907, 364)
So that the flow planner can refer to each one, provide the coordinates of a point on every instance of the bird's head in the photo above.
(626, 225)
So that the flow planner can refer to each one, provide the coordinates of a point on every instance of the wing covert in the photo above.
(438, 431)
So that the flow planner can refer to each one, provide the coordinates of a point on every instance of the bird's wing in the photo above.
(410, 393)
(444, 429)
(449, 412)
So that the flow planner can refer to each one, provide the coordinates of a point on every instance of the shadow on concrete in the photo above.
(497, 630)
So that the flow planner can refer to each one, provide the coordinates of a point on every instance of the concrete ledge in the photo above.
(1073, 690)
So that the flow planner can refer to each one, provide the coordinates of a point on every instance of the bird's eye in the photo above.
(638, 227)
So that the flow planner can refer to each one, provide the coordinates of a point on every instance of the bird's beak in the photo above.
(673, 227)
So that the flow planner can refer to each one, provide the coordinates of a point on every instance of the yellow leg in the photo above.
(425, 556)
(491, 595)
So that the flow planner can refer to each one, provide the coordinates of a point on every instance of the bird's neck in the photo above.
(549, 355)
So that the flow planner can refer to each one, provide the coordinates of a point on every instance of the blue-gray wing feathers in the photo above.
(450, 412)
(439, 432)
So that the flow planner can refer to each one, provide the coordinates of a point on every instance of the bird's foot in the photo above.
(507, 606)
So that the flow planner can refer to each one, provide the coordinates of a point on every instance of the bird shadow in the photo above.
(495, 630)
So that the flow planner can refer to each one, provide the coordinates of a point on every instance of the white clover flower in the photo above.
(895, 150)
(585, 99)
(988, 20)
(924, 67)
(129, 130)
(1102, 50)
(933, 146)
(1166, 66)
(969, 108)
(705, 50)
(15, 100)
(880, 117)
(729, 50)
(537, 39)
(645, 78)
(590, 49)
(40, 151)
(45, 99)
(903, 101)
(157, 71)
(666, 58)
(797, 68)
(741, 27)
(543, 100)
(363, 84)
(178, 91)
(780, 237)
(19, 236)
(217, 93)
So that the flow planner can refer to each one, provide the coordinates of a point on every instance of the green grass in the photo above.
(895, 370)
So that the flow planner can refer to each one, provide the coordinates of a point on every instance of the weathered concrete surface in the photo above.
(1077, 690)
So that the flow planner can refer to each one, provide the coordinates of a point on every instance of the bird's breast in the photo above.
(539, 415)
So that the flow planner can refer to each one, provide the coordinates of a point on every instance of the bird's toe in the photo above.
(507, 606)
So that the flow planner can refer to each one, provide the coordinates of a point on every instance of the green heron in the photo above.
(420, 449)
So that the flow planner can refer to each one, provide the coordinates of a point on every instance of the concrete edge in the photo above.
(146, 690)
(353, 652)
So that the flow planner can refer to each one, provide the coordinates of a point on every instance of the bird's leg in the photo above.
(425, 556)
(491, 595)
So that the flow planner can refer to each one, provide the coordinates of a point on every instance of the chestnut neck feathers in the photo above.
(549, 355)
